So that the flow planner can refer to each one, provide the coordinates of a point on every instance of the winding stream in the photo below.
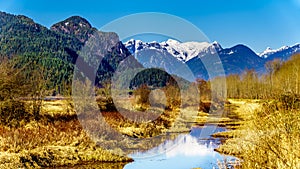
(187, 151)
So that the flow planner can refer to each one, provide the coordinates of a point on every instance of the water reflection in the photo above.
(186, 151)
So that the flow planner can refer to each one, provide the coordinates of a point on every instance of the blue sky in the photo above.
(256, 23)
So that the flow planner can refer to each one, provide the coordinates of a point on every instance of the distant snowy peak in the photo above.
(182, 51)
(269, 51)
(136, 45)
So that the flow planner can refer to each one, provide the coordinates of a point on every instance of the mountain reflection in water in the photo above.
(186, 151)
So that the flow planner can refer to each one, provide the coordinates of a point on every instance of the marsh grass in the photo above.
(269, 138)
(56, 144)
(56, 139)
(62, 137)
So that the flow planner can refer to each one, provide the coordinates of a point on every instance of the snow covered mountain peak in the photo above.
(171, 42)
(183, 51)
(269, 51)
(266, 52)
(174, 56)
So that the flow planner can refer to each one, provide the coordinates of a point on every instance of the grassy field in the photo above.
(63, 138)
(57, 139)
(269, 134)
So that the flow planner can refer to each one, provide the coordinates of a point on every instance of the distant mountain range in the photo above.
(61, 45)
(172, 54)
(282, 53)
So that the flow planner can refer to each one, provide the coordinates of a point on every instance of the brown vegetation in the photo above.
(35, 133)
(281, 77)
(269, 138)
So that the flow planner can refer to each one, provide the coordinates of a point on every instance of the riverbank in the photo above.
(59, 137)
(235, 114)
(56, 139)
(269, 135)
(243, 110)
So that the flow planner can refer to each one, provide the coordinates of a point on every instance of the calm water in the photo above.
(187, 151)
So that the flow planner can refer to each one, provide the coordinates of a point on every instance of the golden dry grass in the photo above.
(268, 138)
(57, 139)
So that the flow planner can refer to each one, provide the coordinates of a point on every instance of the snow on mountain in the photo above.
(174, 57)
(270, 51)
(286, 49)
(182, 51)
